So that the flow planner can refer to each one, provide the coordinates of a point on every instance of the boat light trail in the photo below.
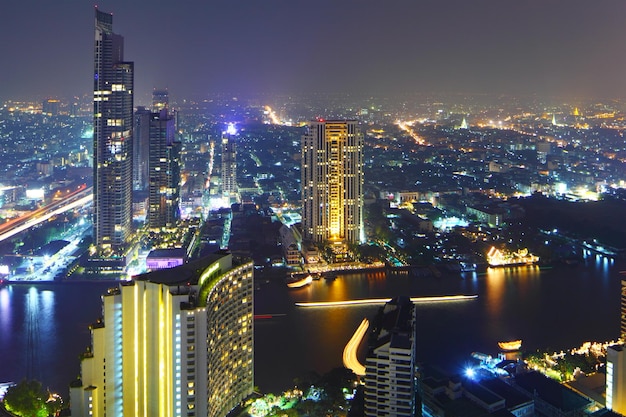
(366, 301)
(350, 359)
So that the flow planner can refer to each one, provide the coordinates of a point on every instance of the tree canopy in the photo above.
(28, 399)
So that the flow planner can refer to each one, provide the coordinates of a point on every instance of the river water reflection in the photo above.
(44, 328)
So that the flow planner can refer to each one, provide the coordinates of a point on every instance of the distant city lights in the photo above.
(231, 129)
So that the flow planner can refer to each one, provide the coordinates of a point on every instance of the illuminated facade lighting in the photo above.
(332, 182)
(175, 342)
(616, 365)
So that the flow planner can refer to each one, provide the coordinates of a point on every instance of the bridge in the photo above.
(80, 197)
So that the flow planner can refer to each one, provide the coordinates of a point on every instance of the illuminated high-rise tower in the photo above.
(229, 162)
(616, 366)
(332, 182)
(172, 343)
(113, 138)
(623, 312)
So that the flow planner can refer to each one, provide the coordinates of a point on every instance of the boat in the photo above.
(510, 345)
(503, 258)
(298, 283)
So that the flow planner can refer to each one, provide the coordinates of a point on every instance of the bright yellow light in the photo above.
(350, 359)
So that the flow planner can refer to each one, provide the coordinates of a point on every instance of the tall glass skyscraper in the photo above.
(332, 182)
(113, 138)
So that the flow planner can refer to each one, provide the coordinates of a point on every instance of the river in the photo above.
(44, 327)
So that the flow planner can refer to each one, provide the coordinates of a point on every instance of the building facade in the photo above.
(163, 171)
(332, 182)
(616, 379)
(113, 138)
(616, 366)
(160, 100)
(623, 312)
(229, 163)
(390, 362)
(141, 148)
(173, 342)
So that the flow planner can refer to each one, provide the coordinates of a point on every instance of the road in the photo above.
(78, 198)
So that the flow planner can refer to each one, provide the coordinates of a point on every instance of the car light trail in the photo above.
(434, 299)
(408, 128)
(35, 221)
(350, 359)
(272, 116)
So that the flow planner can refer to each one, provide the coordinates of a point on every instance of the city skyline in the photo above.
(546, 48)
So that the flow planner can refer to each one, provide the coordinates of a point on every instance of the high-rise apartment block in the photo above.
(229, 162)
(390, 362)
(173, 342)
(616, 379)
(160, 100)
(113, 138)
(141, 148)
(163, 171)
(332, 182)
(616, 366)
(50, 107)
(623, 312)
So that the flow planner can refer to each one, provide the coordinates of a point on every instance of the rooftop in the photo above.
(551, 391)
(188, 273)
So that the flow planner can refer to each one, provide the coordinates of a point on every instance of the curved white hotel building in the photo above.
(173, 342)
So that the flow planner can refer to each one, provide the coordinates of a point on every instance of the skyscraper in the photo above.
(160, 100)
(164, 171)
(623, 312)
(616, 379)
(173, 342)
(50, 107)
(616, 365)
(332, 182)
(229, 163)
(141, 148)
(390, 362)
(113, 138)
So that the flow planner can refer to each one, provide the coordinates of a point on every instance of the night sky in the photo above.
(194, 48)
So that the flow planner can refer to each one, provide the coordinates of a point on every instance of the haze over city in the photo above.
(194, 48)
(313, 208)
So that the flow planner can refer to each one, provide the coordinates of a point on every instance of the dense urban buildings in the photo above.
(113, 138)
(173, 342)
(332, 182)
(390, 363)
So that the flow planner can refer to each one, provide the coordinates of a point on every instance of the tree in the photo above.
(27, 399)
